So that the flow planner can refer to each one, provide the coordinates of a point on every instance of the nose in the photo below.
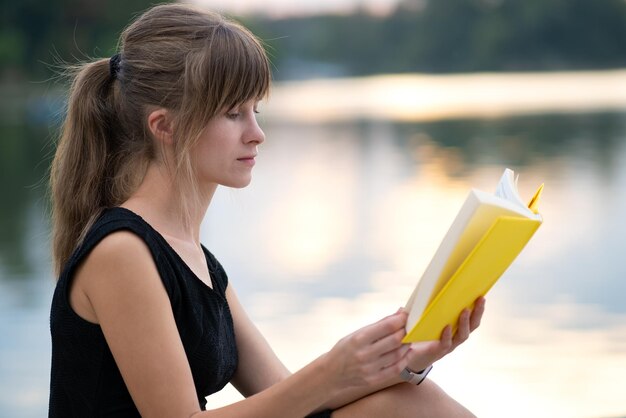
(254, 133)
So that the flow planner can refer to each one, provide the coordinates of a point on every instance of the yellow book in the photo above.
(488, 233)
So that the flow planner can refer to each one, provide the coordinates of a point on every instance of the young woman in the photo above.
(144, 321)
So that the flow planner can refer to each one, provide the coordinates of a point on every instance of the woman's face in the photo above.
(225, 152)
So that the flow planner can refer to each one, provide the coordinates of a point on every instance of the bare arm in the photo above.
(128, 300)
(132, 307)
(259, 367)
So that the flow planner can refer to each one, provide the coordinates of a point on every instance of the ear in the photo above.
(161, 126)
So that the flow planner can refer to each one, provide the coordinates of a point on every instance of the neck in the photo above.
(156, 200)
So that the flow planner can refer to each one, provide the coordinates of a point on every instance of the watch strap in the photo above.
(415, 377)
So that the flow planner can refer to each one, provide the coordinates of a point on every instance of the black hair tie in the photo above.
(114, 65)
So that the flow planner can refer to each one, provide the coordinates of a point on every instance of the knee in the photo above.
(405, 400)
(433, 401)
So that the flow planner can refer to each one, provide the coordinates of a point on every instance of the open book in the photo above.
(489, 231)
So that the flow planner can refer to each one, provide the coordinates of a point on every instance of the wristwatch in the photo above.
(415, 377)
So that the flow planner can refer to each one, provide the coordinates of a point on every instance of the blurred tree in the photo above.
(419, 35)
(35, 34)
(453, 36)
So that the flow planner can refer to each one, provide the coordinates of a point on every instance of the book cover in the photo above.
(488, 233)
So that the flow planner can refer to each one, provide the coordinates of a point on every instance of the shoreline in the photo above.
(425, 97)
(410, 97)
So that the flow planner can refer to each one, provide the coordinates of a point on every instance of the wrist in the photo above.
(326, 367)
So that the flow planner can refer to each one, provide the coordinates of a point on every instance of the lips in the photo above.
(249, 160)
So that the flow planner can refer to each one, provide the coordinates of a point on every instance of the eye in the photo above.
(232, 115)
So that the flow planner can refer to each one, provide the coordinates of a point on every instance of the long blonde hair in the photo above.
(192, 62)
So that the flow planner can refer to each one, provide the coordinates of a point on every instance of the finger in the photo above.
(383, 328)
(477, 313)
(423, 354)
(392, 367)
(425, 349)
(446, 334)
(392, 357)
(446, 339)
(388, 343)
(463, 328)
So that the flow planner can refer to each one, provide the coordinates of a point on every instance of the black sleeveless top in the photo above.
(85, 381)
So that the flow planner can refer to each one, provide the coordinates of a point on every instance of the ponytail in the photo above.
(82, 177)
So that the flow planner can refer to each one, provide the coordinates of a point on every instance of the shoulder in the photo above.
(119, 269)
(108, 223)
(117, 237)
(119, 249)
(120, 262)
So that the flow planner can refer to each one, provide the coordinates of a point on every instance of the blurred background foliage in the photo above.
(446, 36)
(35, 34)
(417, 36)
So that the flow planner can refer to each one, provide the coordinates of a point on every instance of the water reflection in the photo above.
(340, 221)
(382, 197)
(23, 164)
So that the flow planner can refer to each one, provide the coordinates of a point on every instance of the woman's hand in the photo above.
(370, 355)
(423, 354)
(375, 354)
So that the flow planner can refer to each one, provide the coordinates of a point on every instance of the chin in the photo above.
(238, 183)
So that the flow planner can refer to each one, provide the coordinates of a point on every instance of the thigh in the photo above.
(405, 400)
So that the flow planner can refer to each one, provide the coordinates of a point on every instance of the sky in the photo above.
(295, 7)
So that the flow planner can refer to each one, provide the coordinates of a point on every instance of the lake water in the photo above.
(345, 211)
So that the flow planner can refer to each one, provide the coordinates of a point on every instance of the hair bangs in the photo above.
(243, 69)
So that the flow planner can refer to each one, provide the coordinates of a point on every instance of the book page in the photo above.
(507, 188)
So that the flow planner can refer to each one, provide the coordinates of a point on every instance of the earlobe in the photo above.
(161, 126)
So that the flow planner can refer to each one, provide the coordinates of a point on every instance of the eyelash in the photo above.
(235, 115)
